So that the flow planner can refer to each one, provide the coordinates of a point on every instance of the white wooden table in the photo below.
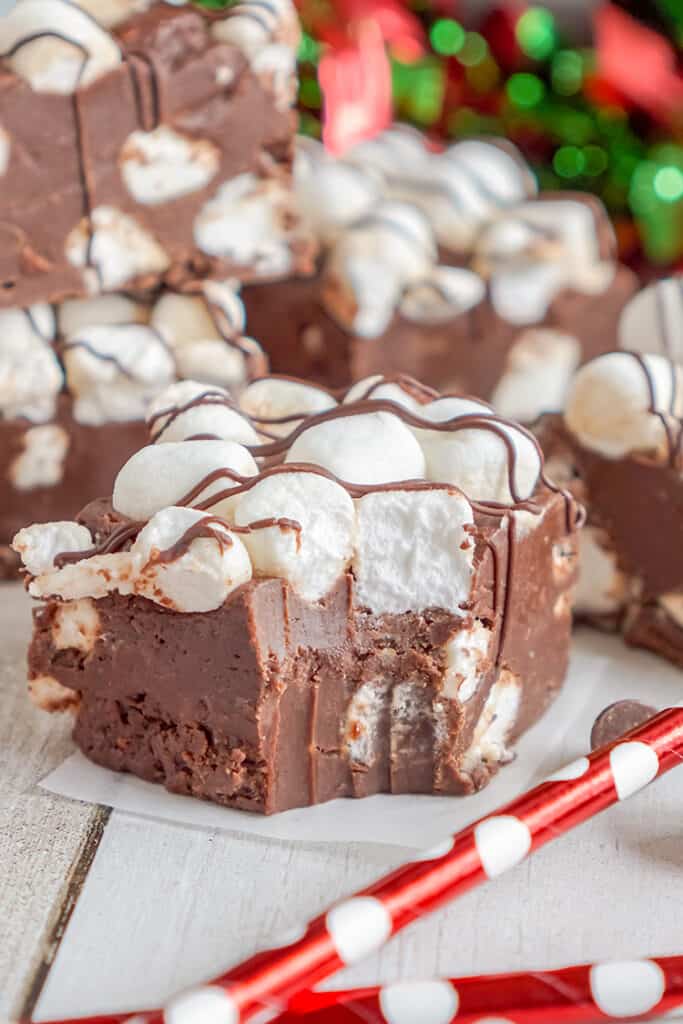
(105, 912)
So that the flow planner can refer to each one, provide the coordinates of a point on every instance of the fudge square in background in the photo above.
(76, 380)
(381, 603)
(144, 147)
(618, 448)
(446, 266)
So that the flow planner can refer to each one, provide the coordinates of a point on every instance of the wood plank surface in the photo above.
(45, 843)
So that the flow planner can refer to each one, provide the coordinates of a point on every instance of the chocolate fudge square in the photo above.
(299, 598)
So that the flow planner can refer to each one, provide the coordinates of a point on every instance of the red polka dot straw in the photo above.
(574, 995)
(264, 986)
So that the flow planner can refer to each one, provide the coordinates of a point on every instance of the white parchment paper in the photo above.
(602, 670)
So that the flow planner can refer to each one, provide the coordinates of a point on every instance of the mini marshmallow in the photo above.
(100, 311)
(215, 362)
(608, 406)
(273, 398)
(603, 586)
(39, 545)
(372, 263)
(377, 389)
(448, 292)
(365, 448)
(199, 579)
(210, 412)
(225, 304)
(466, 652)
(162, 165)
(113, 371)
(538, 249)
(448, 407)
(161, 475)
(247, 221)
(330, 194)
(183, 319)
(41, 462)
(413, 551)
(476, 459)
(314, 558)
(250, 25)
(539, 368)
(652, 321)
(55, 46)
(400, 147)
(197, 339)
(119, 250)
(30, 373)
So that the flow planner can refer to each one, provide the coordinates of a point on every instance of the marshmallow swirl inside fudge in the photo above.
(385, 483)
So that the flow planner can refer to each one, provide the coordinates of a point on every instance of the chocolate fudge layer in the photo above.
(47, 470)
(619, 448)
(529, 289)
(475, 352)
(342, 621)
(75, 383)
(153, 147)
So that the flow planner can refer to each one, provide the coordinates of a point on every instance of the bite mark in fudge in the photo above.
(620, 441)
(161, 121)
(272, 632)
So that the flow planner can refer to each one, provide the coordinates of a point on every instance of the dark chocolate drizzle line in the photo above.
(204, 529)
(33, 323)
(126, 532)
(245, 483)
(509, 575)
(399, 229)
(662, 319)
(154, 83)
(104, 357)
(171, 413)
(243, 12)
(137, 92)
(116, 541)
(225, 329)
(672, 443)
(494, 424)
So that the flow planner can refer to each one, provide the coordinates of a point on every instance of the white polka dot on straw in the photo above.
(419, 1002)
(434, 852)
(208, 1005)
(502, 842)
(571, 771)
(627, 989)
(358, 927)
(633, 765)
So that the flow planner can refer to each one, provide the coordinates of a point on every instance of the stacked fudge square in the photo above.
(619, 448)
(301, 595)
(446, 266)
(145, 159)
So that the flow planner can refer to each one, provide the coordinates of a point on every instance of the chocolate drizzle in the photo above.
(115, 542)
(104, 357)
(673, 440)
(170, 414)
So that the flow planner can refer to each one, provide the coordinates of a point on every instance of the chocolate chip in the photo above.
(617, 719)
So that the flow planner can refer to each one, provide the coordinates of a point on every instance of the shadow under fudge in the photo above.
(273, 701)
